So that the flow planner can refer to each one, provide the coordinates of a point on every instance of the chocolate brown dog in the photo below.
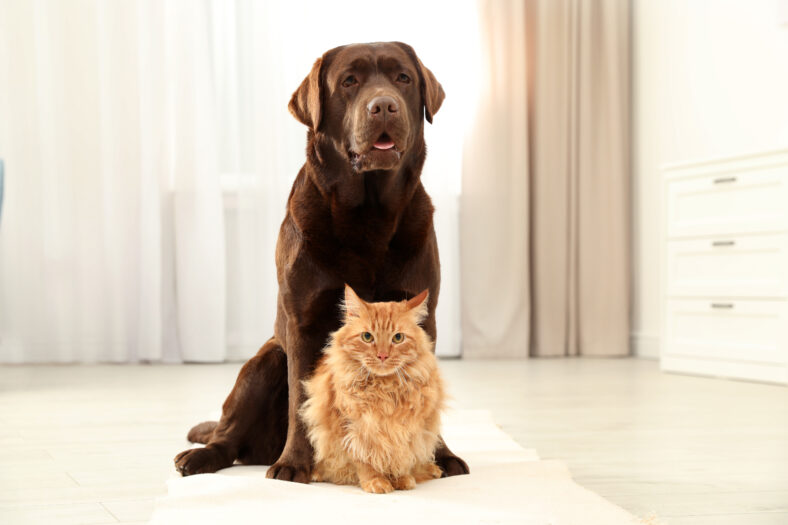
(357, 214)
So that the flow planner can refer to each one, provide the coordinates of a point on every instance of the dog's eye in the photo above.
(350, 81)
(398, 338)
(405, 79)
(366, 337)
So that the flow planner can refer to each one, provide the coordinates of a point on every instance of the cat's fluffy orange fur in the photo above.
(373, 407)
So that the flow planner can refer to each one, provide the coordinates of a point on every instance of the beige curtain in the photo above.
(544, 216)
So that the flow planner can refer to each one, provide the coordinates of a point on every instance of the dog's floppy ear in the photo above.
(432, 94)
(306, 104)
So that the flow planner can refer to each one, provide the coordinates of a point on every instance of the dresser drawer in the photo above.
(734, 330)
(728, 202)
(738, 266)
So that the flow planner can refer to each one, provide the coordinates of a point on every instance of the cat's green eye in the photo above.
(398, 338)
(366, 337)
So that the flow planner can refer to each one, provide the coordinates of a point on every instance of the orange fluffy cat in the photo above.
(373, 404)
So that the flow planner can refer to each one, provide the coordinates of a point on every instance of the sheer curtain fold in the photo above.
(494, 214)
(556, 279)
(149, 154)
(113, 194)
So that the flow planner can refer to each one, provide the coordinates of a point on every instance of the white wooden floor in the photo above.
(94, 444)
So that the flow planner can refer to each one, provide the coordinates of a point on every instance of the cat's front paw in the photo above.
(427, 472)
(406, 482)
(377, 486)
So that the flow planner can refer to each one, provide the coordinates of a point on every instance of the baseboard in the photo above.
(645, 345)
(728, 369)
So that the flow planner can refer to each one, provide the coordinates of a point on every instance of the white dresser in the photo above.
(725, 267)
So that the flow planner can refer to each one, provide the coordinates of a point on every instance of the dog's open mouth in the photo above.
(384, 142)
(383, 153)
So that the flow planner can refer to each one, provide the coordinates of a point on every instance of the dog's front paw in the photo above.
(201, 461)
(452, 465)
(288, 470)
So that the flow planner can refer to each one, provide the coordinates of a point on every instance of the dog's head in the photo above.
(369, 100)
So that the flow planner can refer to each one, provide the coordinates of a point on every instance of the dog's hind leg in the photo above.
(202, 432)
(253, 426)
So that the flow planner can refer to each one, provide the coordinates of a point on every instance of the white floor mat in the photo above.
(507, 484)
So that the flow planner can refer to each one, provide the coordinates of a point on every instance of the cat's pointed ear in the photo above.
(353, 304)
(419, 305)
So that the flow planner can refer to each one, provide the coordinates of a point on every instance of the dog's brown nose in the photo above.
(382, 105)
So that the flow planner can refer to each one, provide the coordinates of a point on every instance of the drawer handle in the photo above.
(722, 306)
(725, 180)
(723, 243)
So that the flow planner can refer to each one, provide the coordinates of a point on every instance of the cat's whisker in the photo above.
(356, 378)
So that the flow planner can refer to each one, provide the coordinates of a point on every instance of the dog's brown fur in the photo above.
(357, 215)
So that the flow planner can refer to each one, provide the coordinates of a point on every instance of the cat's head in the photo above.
(384, 337)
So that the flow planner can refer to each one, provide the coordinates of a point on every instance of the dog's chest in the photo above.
(363, 246)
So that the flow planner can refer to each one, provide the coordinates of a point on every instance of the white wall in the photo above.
(710, 79)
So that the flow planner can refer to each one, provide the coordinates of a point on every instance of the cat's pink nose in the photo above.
(382, 357)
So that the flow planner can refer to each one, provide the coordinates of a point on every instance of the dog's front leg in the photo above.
(449, 463)
(303, 350)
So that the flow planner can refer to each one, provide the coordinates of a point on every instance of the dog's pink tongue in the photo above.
(384, 144)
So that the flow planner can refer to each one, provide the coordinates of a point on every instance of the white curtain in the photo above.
(148, 156)
(495, 200)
